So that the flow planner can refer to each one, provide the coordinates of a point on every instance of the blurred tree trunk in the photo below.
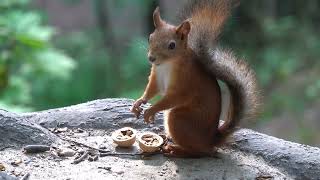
(270, 9)
(109, 41)
(311, 12)
(4, 76)
(152, 6)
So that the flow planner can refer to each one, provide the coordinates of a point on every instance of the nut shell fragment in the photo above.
(2, 167)
(66, 152)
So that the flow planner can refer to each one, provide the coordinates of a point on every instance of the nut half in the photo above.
(124, 137)
(150, 142)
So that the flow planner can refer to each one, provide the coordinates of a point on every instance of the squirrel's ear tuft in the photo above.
(183, 30)
(157, 18)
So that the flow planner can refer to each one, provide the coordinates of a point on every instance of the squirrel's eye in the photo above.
(172, 45)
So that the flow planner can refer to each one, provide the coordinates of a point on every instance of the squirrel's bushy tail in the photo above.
(241, 82)
(207, 19)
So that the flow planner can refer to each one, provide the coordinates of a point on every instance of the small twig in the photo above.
(82, 144)
(129, 154)
(108, 168)
(81, 158)
(119, 154)
(25, 177)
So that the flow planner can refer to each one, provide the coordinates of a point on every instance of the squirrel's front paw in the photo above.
(149, 115)
(136, 109)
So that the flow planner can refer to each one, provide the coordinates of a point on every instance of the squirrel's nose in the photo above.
(152, 58)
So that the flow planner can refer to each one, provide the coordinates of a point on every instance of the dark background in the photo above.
(56, 53)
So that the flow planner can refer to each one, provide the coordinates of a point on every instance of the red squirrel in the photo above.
(186, 65)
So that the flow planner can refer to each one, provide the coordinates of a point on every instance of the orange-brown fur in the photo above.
(194, 100)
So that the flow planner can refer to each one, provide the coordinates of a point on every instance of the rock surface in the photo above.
(16, 131)
(251, 156)
(107, 114)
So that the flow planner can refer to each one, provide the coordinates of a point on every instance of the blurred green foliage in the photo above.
(87, 47)
(29, 63)
(285, 57)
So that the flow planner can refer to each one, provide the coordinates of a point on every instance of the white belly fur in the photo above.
(163, 72)
(165, 118)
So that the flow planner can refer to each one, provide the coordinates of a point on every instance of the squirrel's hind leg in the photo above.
(191, 137)
(172, 150)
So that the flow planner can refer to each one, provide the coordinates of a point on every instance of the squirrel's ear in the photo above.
(157, 18)
(183, 30)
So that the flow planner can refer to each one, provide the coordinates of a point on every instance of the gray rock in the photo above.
(301, 161)
(17, 131)
(106, 114)
(252, 155)
(4, 176)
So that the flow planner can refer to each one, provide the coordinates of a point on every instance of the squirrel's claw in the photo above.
(136, 109)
